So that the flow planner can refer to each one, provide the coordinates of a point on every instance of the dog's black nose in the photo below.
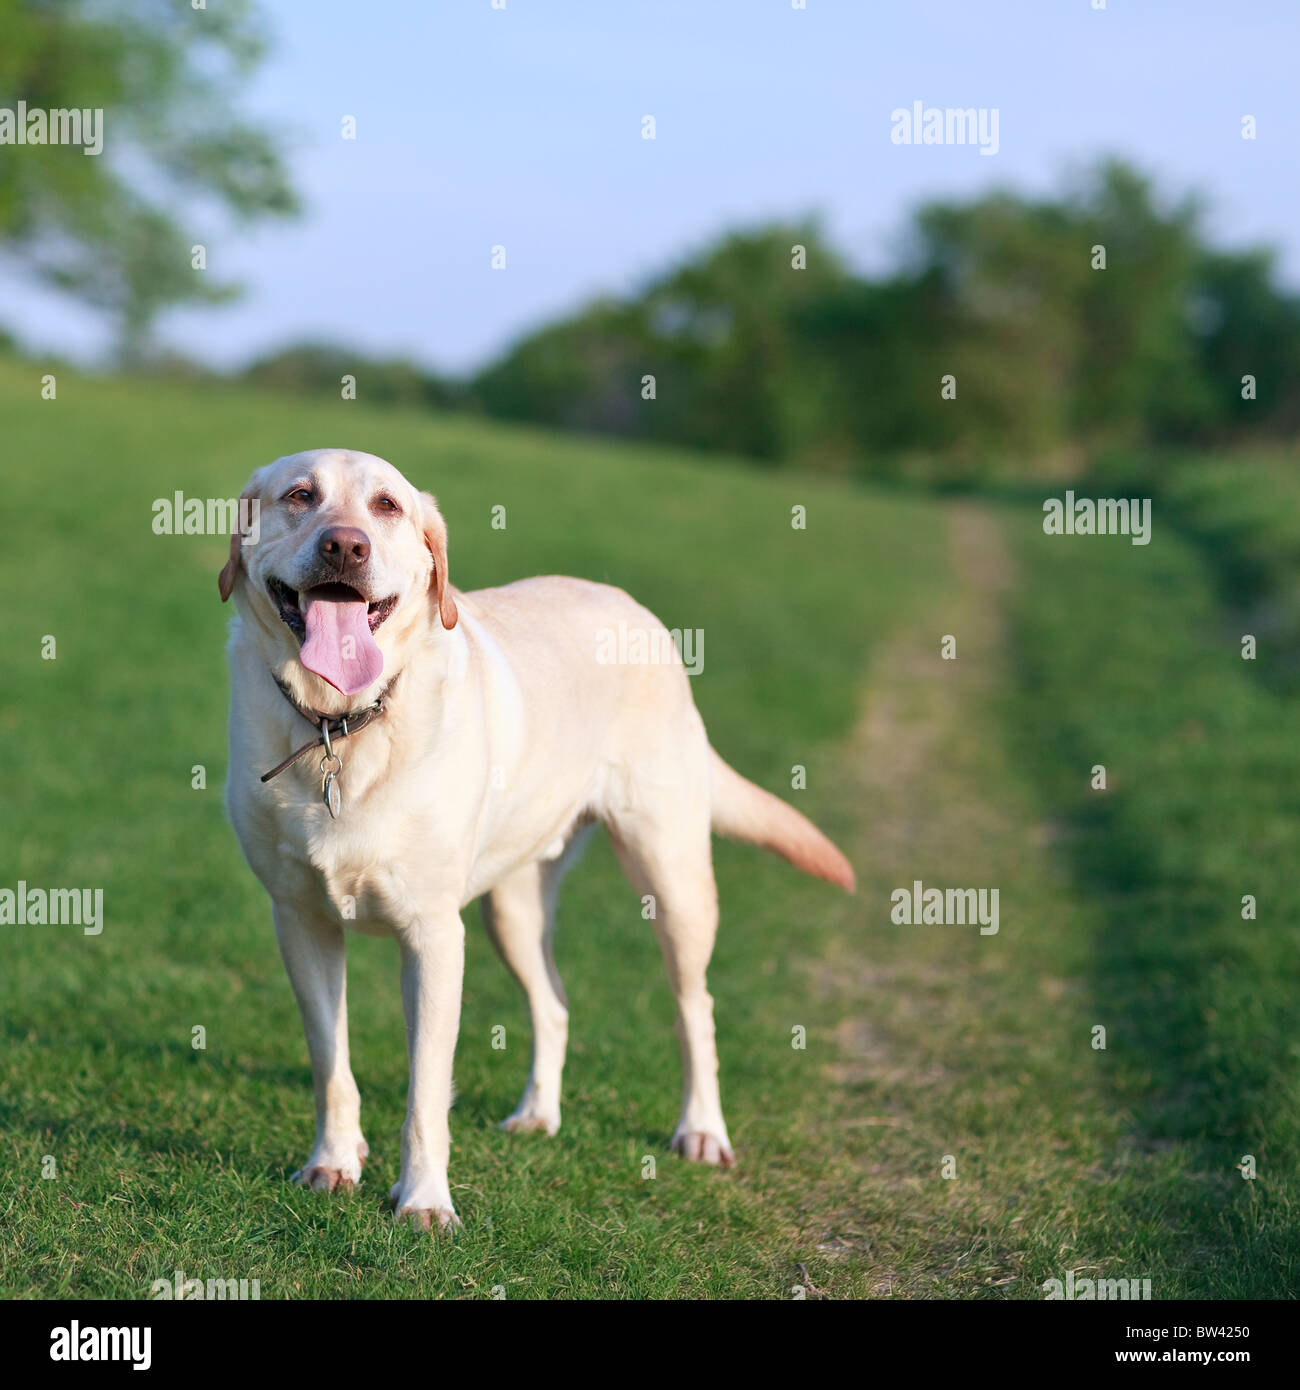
(343, 546)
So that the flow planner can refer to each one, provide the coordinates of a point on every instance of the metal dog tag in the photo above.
(329, 788)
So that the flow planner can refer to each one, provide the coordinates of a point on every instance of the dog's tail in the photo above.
(742, 811)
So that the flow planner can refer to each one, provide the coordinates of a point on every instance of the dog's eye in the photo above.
(385, 504)
(299, 494)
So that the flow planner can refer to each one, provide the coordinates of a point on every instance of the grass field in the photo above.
(1119, 909)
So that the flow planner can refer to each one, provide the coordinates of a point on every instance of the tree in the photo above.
(715, 333)
(721, 328)
(107, 227)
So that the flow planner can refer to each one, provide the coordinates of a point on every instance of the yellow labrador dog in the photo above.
(398, 748)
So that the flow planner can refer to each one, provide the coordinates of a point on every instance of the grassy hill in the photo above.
(822, 649)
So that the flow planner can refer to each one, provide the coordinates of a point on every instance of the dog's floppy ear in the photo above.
(226, 579)
(435, 538)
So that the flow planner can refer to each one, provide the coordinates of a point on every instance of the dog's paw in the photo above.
(699, 1146)
(431, 1219)
(529, 1119)
(425, 1203)
(331, 1169)
(535, 1113)
(529, 1124)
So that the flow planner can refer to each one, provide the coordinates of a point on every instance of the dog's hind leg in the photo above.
(667, 855)
(519, 914)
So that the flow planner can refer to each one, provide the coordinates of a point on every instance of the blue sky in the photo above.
(522, 127)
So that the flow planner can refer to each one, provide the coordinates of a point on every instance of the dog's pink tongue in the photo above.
(339, 647)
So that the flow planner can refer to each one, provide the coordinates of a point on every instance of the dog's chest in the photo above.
(362, 864)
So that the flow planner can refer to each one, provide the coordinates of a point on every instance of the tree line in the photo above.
(1016, 337)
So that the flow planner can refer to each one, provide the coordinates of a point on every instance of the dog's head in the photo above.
(349, 560)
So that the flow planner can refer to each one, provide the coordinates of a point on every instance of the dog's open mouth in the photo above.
(335, 625)
(289, 603)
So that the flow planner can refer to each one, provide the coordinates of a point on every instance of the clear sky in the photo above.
(522, 127)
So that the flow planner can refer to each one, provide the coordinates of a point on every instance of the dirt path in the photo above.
(918, 704)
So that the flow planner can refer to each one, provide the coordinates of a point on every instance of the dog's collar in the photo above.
(330, 726)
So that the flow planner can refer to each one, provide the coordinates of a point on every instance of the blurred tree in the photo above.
(717, 334)
(1140, 377)
(319, 368)
(583, 373)
(105, 227)
(722, 331)
(1242, 325)
(1064, 322)
(987, 300)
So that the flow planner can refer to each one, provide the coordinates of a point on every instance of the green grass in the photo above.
(821, 649)
(1132, 664)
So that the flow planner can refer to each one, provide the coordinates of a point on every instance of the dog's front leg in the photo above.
(313, 952)
(433, 963)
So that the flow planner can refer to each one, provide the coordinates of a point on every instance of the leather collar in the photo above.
(330, 726)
